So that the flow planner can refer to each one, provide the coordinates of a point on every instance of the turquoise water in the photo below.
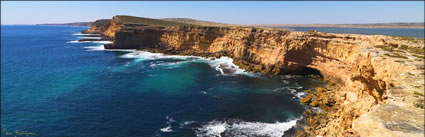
(368, 31)
(52, 85)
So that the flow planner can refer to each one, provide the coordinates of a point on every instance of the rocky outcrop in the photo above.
(375, 92)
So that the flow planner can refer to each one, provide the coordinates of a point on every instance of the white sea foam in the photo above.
(167, 128)
(152, 56)
(289, 76)
(101, 42)
(223, 64)
(74, 41)
(187, 124)
(294, 90)
(95, 48)
(102, 48)
(226, 67)
(244, 129)
(79, 34)
(90, 37)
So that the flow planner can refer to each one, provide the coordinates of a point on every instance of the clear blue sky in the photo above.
(237, 12)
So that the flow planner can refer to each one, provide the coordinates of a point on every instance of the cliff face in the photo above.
(99, 26)
(375, 93)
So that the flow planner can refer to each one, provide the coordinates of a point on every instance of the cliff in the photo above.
(99, 26)
(376, 82)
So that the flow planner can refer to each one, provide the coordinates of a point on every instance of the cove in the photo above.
(52, 86)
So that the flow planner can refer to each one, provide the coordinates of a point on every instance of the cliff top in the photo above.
(148, 21)
(196, 22)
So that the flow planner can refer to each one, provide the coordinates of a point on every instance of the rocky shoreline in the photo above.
(371, 78)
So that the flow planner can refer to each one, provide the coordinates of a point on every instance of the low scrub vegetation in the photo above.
(413, 39)
(386, 48)
(420, 103)
(416, 52)
(418, 93)
(396, 55)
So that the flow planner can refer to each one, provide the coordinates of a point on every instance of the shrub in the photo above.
(396, 55)
(385, 48)
(418, 93)
(420, 103)
(417, 50)
(419, 56)
(403, 47)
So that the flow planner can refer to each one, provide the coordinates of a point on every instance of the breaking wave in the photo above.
(223, 64)
(102, 48)
(168, 127)
(90, 37)
(101, 42)
(80, 34)
(236, 128)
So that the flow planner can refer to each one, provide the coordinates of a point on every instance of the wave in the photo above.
(235, 128)
(102, 48)
(294, 90)
(80, 34)
(186, 124)
(152, 56)
(223, 64)
(226, 67)
(90, 37)
(101, 42)
(167, 128)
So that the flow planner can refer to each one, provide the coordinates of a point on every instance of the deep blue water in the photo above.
(53, 87)
(406, 32)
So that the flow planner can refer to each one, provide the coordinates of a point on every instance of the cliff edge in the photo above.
(376, 82)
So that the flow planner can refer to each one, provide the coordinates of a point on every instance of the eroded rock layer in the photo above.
(380, 78)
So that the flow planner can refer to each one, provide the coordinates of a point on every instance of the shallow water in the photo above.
(405, 32)
(53, 85)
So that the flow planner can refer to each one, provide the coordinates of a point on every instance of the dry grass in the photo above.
(149, 21)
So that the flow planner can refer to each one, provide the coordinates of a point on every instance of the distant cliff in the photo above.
(371, 76)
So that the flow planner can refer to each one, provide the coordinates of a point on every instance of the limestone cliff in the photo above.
(99, 26)
(380, 79)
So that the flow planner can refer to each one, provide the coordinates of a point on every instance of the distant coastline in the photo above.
(418, 25)
(80, 24)
(412, 25)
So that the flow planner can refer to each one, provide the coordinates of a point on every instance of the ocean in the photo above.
(53, 85)
(405, 32)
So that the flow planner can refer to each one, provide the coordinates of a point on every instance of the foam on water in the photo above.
(80, 34)
(152, 56)
(167, 128)
(186, 123)
(90, 37)
(102, 48)
(243, 129)
(223, 64)
(101, 42)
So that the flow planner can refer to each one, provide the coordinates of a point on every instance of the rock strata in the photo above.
(373, 91)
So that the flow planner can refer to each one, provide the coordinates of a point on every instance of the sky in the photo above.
(235, 12)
